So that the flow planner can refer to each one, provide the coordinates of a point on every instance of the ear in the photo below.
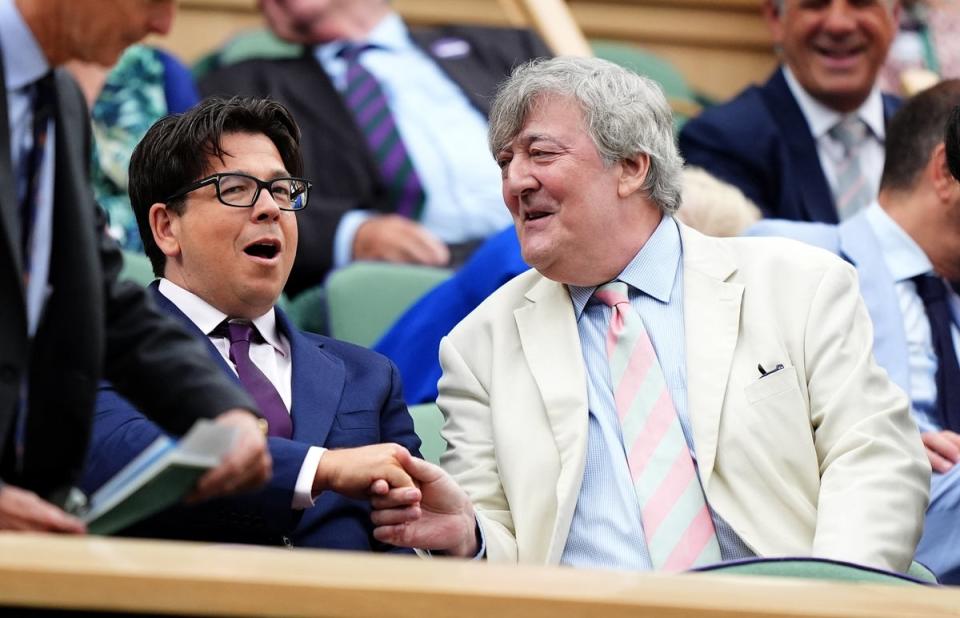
(774, 20)
(165, 225)
(942, 181)
(633, 173)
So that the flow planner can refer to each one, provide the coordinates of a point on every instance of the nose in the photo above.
(160, 18)
(265, 208)
(840, 17)
(518, 177)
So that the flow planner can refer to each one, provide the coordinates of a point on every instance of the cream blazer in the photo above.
(820, 458)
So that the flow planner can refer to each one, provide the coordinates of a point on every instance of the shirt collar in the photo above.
(652, 271)
(821, 118)
(207, 317)
(902, 256)
(23, 60)
(391, 33)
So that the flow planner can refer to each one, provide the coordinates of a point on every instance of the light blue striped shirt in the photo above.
(444, 134)
(904, 258)
(606, 531)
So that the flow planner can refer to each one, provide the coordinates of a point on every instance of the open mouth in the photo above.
(839, 53)
(263, 249)
(535, 214)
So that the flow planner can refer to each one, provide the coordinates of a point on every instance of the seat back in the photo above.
(365, 298)
(427, 422)
(137, 268)
(819, 568)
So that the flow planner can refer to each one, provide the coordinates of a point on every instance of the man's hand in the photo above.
(246, 467)
(943, 449)
(25, 511)
(392, 238)
(354, 472)
(444, 520)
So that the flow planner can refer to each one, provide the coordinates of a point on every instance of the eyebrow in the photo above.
(277, 172)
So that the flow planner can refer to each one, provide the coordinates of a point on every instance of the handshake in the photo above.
(415, 503)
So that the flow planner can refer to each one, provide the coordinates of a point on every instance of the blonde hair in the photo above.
(714, 207)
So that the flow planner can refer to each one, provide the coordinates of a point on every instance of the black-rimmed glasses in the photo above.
(243, 190)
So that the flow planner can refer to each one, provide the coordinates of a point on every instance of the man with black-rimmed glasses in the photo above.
(216, 192)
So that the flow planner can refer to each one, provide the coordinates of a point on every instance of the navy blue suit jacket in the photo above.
(760, 142)
(343, 396)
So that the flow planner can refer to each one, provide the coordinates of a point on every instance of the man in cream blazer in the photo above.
(801, 444)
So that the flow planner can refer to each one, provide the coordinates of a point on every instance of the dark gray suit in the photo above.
(93, 325)
(335, 153)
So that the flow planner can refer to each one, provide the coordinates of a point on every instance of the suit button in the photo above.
(8, 374)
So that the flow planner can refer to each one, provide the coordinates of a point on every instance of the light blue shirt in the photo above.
(445, 136)
(23, 64)
(606, 531)
(904, 259)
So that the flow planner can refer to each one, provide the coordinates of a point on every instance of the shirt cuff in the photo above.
(350, 222)
(303, 491)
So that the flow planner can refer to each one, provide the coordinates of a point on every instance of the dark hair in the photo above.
(952, 141)
(915, 131)
(177, 149)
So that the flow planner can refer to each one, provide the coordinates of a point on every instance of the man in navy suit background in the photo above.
(808, 144)
(215, 192)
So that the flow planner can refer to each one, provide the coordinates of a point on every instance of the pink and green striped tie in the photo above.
(676, 521)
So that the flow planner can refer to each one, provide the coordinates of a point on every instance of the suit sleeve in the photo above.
(120, 433)
(470, 457)
(874, 474)
(151, 360)
(728, 145)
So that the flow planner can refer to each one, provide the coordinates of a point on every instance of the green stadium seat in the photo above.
(365, 298)
(137, 268)
(816, 568)
(427, 422)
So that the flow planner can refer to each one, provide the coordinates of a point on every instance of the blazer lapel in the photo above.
(464, 69)
(816, 196)
(317, 383)
(859, 246)
(711, 310)
(551, 346)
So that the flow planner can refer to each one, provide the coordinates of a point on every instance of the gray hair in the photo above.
(625, 113)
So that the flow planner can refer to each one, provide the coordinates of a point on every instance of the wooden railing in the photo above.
(719, 45)
(152, 577)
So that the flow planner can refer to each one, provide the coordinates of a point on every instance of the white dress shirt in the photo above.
(272, 357)
(821, 119)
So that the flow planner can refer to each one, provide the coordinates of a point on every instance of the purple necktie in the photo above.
(257, 384)
(365, 99)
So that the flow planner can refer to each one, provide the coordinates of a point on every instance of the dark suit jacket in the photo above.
(93, 326)
(760, 142)
(343, 396)
(335, 153)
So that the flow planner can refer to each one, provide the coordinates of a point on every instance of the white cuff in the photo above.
(303, 490)
(350, 222)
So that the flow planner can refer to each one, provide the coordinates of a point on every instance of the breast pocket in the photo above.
(355, 428)
(772, 385)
